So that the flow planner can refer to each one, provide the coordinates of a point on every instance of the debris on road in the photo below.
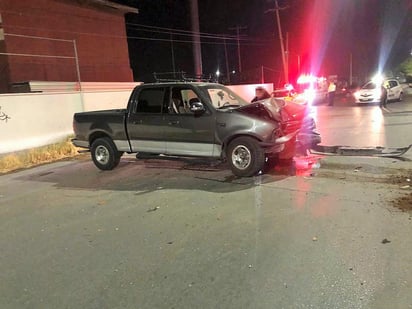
(385, 241)
(315, 238)
(357, 169)
(153, 209)
(360, 151)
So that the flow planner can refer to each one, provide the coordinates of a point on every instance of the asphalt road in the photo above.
(187, 234)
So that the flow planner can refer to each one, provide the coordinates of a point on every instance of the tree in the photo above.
(406, 67)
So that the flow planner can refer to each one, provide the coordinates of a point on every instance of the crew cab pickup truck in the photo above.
(192, 119)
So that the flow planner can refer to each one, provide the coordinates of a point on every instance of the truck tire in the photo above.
(246, 158)
(104, 154)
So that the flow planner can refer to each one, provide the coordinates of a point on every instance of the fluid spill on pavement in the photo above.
(403, 203)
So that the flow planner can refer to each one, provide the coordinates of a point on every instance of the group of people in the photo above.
(262, 94)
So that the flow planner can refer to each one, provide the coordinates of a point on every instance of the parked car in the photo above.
(284, 93)
(193, 119)
(371, 92)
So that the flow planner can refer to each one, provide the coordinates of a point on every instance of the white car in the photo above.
(371, 92)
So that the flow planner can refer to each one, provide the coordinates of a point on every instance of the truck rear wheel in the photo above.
(245, 156)
(104, 154)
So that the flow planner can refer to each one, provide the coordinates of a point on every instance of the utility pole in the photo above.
(287, 58)
(238, 28)
(262, 74)
(350, 70)
(282, 47)
(173, 55)
(197, 48)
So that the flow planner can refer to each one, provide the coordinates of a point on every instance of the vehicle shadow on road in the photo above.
(149, 175)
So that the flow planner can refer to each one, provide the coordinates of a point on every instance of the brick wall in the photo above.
(99, 32)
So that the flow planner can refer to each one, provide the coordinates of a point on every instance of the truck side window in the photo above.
(181, 99)
(150, 100)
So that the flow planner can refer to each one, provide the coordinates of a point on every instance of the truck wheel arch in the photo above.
(229, 139)
(245, 156)
(96, 135)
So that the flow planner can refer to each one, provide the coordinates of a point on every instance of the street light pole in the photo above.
(238, 28)
(227, 63)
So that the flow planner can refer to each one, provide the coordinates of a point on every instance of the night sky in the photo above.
(322, 34)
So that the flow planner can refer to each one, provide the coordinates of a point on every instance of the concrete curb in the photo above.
(381, 170)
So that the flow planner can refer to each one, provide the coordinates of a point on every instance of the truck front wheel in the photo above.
(104, 154)
(245, 156)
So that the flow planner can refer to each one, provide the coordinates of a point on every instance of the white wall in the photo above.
(38, 119)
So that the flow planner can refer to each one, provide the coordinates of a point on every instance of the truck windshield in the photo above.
(222, 97)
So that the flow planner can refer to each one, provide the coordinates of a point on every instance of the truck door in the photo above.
(145, 123)
(187, 134)
(393, 90)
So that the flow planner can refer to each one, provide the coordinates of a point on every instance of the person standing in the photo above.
(260, 94)
(331, 92)
(384, 96)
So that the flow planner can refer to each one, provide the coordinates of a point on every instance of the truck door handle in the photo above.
(171, 123)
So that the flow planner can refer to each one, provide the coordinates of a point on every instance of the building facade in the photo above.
(63, 40)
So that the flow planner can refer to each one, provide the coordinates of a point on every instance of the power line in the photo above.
(221, 37)
(220, 42)
(164, 30)
(183, 32)
(190, 33)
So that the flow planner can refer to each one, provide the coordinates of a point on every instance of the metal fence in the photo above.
(36, 61)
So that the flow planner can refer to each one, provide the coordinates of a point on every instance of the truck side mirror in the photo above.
(197, 108)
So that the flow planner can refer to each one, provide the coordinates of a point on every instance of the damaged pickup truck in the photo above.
(196, 119)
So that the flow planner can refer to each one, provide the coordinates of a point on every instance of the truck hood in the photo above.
(275, 109)
(264, 109)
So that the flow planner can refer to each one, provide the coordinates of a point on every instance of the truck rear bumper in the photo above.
(81, 144)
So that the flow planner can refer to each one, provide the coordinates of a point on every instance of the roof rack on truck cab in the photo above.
(181, 76)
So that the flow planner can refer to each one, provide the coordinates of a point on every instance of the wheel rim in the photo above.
(102, 155)
(241, 157)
